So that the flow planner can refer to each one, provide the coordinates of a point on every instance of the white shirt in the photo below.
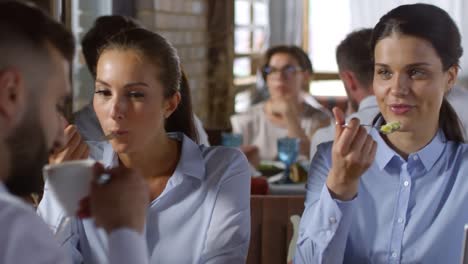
(259, 131)
(368, 110)
(88, 125)
(26, 239)
(202, 216)
(458, 98)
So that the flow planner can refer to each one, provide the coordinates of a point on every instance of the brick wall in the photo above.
(184, 24)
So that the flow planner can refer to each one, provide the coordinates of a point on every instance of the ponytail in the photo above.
(181, 120)
(450, 123)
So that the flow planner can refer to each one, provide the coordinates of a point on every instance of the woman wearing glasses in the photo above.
(289, 111)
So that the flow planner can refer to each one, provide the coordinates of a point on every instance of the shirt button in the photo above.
(394, 254)
(415, 157)
(332, 220)
(406, 183)
(400, 220)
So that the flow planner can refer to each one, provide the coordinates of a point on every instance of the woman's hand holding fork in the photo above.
(353, 153)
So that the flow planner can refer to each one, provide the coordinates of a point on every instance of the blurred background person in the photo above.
(288, 111)
(356, 70)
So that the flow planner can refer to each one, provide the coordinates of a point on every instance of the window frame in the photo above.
(246, 82)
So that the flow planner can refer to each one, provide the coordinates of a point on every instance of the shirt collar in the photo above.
(428, 155)
(310, 100)
(191, 161)
(369, 101)
(12, 199)
(432, 152)
(384, 153)
(3, 188)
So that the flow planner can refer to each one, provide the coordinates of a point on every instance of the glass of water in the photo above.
(288, 150)
(231, 140)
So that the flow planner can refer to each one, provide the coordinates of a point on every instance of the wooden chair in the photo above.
(271, 228)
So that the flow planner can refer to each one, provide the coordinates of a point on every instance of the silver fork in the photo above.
(392, 127)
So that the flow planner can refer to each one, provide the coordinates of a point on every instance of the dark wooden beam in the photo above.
(219, 104)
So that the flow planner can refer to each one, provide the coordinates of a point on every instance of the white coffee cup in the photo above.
(70, 182)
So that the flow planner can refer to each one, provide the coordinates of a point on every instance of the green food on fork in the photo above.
(390, 127)
(384, 129)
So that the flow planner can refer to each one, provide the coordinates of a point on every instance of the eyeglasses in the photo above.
(288, 70)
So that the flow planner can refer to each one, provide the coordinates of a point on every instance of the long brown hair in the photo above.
(163, 55)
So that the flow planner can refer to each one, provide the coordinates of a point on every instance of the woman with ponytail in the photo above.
(200, 203)
(400, 197)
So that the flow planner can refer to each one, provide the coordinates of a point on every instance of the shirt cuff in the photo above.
(327, 216)
(344, 206)
(127, 246)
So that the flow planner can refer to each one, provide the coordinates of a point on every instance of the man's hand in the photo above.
(353, 153)
(119, 203)
(74, 149)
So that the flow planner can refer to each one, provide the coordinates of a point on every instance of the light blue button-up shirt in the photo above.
(202, 216)
(409, 211)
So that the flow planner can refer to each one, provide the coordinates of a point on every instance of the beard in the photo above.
(4, 160)
(354, 104)
(28, 154)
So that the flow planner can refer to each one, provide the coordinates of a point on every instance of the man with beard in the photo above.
(35, 56)
(356, 69)
(28, 155)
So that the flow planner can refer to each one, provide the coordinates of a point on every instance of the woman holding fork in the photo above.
(200, 200)
(401, 197)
